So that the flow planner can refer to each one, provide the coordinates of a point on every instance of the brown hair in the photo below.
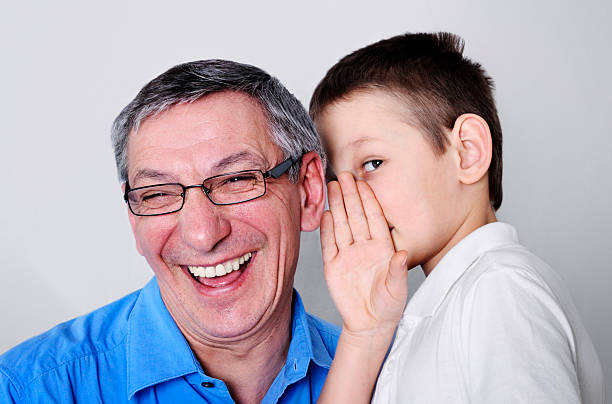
(430, 71)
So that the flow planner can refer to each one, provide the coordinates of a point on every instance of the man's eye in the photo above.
(240, 178)
(154, 195)
(371, 165)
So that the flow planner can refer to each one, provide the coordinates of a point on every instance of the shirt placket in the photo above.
(403, 334)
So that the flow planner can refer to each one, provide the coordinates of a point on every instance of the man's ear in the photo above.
(472, 140)
(132, 221)
(312, 191)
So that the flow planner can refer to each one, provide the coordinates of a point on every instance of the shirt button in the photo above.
(207, 384)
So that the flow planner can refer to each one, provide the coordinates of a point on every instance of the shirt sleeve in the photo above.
(8, 392)
(517, 341)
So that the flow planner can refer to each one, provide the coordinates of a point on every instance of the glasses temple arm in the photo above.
(281, 168)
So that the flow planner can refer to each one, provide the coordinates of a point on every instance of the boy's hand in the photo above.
(367, 279)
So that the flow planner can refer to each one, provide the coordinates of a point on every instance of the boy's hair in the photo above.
(439, 83)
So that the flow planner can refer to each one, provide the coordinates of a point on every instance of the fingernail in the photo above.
(405, 260)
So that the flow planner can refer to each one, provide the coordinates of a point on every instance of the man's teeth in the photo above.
(219, 269)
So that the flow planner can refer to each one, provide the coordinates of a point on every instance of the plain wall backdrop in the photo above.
(67, 69)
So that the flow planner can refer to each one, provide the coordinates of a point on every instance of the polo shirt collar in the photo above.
(451, 267)
(306, 342)
(306, 345)
(156, 349)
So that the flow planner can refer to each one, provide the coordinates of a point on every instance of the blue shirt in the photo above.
(131, 351)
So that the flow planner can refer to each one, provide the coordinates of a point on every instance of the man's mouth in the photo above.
(220, 269)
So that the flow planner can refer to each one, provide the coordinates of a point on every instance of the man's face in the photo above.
(368, 134)
(219, 133)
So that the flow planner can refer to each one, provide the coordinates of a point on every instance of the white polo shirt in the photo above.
(492, 323)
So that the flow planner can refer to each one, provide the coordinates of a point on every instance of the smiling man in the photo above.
(221, 169)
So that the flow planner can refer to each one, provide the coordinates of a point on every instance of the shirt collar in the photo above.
(306, 345)
(156, 349)
(451, 267)
(306, 342)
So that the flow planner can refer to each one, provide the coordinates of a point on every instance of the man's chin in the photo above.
(228, 307)
(233, 331)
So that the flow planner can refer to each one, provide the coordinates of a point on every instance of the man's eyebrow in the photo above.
(239, 157)
(147, 173)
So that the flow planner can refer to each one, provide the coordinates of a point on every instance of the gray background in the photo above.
(68, 68)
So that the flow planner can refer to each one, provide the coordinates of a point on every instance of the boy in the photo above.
(415, 123)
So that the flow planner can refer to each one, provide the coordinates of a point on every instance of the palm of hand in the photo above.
(357, 281)
(357, 251)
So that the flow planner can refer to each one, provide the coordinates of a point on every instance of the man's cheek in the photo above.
(150, 239)
(139, 247)
(139, 240)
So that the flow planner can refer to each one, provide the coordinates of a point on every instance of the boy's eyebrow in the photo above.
(353, 144)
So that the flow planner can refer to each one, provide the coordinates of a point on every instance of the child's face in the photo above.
(368, 134)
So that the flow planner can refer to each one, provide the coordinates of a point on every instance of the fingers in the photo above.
(377, 224)
(354, 210)
(328, 242)
(397, 276)
(356, 213)
(342, 231)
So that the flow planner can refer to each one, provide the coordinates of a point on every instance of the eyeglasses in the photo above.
(223, 189)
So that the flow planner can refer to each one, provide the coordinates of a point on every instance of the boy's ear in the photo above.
(312, 191)
(472, 139)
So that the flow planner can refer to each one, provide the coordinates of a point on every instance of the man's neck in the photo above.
(248, 366)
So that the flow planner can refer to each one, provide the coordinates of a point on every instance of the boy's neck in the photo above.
(474, 220)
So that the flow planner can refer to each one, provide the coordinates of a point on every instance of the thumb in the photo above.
(397, 276)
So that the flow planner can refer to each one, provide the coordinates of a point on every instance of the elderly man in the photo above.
(220, 168)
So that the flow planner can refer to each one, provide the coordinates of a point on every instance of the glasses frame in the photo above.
(274, 172)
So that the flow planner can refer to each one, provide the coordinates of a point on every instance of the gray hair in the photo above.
(290, 126)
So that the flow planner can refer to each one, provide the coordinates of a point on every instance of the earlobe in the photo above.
(472, 139)
(312, 191)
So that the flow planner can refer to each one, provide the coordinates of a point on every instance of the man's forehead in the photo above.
(228, 110)
(218, 131)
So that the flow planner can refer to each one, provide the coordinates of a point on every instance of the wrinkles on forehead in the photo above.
(189, 142)
(240, 160)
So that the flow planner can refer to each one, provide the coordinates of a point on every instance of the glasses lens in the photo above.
(236, 187)
(156, 199)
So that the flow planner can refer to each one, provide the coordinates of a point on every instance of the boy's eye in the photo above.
(371, 165)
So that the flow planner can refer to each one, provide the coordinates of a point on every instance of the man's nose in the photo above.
(202, 223)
